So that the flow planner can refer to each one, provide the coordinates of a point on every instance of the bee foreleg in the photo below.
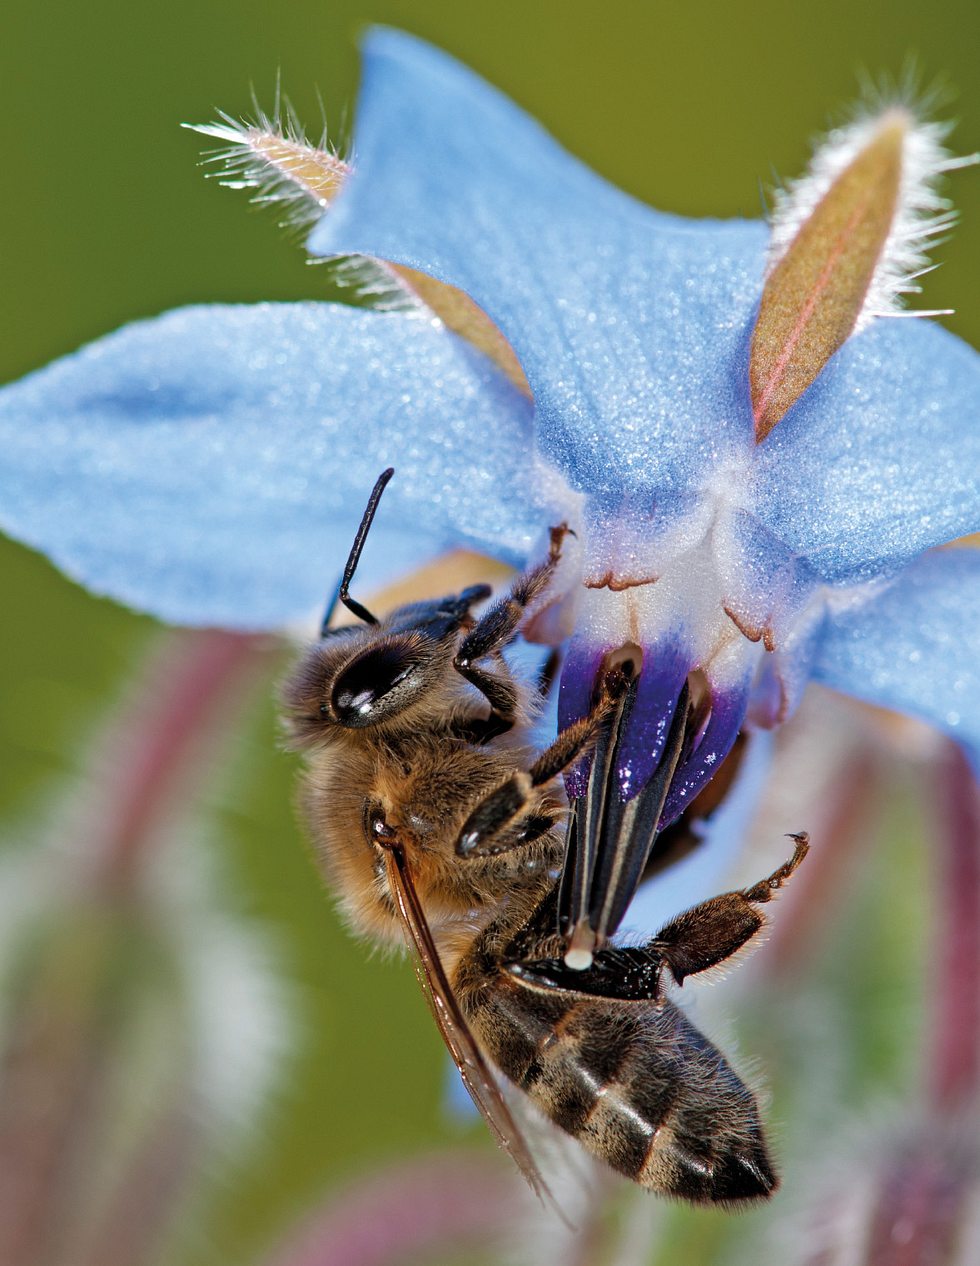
(570, 744)
(498, 627)
(508, 817)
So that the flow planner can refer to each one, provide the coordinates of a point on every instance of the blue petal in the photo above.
(879, 459)
(630, 325)
(211, 466)
(915, 645)
(766, 585)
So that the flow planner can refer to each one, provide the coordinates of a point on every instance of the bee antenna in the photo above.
(342, 594)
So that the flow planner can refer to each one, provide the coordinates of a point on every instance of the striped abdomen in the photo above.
(634, 1082)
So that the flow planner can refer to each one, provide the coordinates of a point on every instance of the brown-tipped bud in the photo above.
(316, 173)
(278, 162)
(848, 241)
(814, 295)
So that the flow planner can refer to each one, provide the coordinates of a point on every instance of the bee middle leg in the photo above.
(488, 829)
(701, 938)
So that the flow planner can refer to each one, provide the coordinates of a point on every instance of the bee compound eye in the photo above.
(367, 689)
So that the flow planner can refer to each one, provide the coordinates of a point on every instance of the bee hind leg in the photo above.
(701, 938)
(706, 935)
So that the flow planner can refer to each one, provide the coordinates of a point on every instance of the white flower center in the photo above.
(672, 586)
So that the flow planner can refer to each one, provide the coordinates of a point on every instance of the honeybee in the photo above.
(436, 822)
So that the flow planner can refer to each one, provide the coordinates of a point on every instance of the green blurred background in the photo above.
(106, 217)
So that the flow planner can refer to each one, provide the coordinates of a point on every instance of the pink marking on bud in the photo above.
(815, 293)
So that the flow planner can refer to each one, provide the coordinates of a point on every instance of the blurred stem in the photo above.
(955, 1057)
(814, 894)
(413, 1212)
(60, 1062)
(638, 1232)
(164, 739)
(52, 1075)
(918, 1210)
(139, 1208)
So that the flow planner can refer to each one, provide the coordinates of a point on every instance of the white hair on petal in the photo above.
(272, 155)
(922, 216)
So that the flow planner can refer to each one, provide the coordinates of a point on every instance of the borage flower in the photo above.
(756, 462)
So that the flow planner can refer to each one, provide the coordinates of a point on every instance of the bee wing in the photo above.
(473, 1067)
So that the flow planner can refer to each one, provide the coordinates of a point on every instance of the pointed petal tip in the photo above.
(271, 155)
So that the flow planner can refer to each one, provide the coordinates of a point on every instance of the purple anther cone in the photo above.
(665, 669)
(694, 770)
(662, 678)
